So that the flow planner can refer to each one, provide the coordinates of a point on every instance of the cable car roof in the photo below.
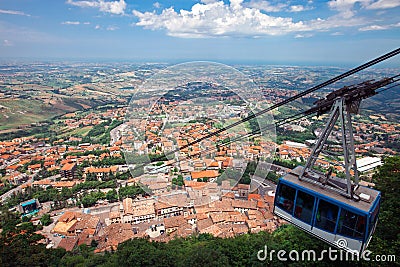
(293, 177)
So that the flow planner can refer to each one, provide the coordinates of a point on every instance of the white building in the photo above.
(368, 163)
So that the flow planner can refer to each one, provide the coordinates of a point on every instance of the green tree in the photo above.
(112, 195)
(66, 193)
(130, 191)
(26, 218)
(19, 244)
(94, 243)
(91, 199)
(46, 220)
(91, 176)
(386, 239)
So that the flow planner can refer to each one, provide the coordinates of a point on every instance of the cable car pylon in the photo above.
(342, 103)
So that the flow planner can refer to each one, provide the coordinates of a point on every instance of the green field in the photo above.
(77, 132)
(18, 112)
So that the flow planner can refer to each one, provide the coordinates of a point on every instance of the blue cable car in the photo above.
(338, 211)
(341, 222)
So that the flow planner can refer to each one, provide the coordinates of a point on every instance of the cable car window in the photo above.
(304, 206)
(326, 216)
(351, 224)
(373, 218)
(285, 198)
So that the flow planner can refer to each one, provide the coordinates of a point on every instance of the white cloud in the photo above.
(345, 7)
(156, 5)
(306, 35)
(383, 4)
(216, 19)
(113, 7)
(70, 22)
(84, 3)
(7, 43)
(112, 28)
(13, 12)
(379, 27)
(266, 6)
(208, 1)
(298, 8)
(97, 27)
(342, 4)
(373, 28)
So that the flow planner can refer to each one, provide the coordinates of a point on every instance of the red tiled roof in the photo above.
(204, 174)
(68, 243)
(63, 184)
(34, 166)
(68, 167)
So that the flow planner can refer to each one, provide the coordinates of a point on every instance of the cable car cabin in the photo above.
(326, 214)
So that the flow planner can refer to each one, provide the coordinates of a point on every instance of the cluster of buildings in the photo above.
(76, 120)
(293, 151)
(32, 158)
(28, 157)
(166, 217)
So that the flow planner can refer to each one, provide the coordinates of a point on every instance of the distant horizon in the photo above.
(391, 63)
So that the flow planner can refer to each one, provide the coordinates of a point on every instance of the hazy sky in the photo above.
(314, 31)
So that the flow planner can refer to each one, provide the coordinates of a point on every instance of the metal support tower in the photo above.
(341, 104)
(342, 112)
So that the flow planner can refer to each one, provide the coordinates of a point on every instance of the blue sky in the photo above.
(308, 31)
